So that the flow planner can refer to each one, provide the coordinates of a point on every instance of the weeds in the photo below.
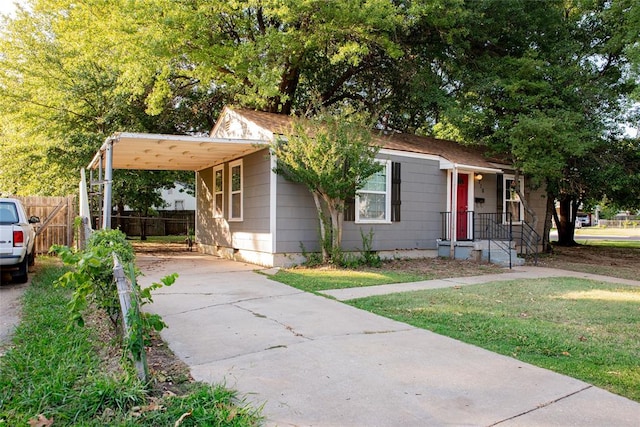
(54, 370)
(54, 374)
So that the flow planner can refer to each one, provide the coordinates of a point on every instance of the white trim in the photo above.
(409, 154)
(506, 177)
(219, 168)
(233, 125)
(446, 164)
(232, 165)
(452, 200)
(387, 193)
(273, 201)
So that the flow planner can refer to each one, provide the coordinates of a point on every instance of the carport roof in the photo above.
(172, 152)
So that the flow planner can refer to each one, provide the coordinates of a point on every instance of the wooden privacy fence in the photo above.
(56, 220)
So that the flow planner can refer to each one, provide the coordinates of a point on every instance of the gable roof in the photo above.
(245, 123)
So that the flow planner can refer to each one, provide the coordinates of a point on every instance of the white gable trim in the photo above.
(410, 154)
(236, 126)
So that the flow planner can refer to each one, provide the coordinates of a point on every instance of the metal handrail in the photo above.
(468, 217)
(496, 228)
(529, 239)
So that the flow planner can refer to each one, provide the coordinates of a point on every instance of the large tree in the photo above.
(62, 95)
(542, 83)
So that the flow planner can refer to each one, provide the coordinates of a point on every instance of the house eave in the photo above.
(448, 165)
(147, 151)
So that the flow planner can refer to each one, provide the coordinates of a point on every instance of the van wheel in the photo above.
(23, 274)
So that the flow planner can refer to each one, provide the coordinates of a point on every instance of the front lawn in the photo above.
(585, 329)
(394, 271)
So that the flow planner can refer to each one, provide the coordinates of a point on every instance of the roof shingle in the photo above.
(452, 151)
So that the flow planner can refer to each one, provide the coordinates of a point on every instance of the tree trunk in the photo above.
(323, 229)
(525, 204)
(566, 222)
(120, 215)
(551, 207)
(143, 228)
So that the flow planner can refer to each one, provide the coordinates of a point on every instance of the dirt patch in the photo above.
(439, 268)
(168, 374)
(609, 261)
(161, 248)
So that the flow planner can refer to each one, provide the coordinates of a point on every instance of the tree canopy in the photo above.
(548, 83)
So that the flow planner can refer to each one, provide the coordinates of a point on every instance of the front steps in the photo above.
(484, 250)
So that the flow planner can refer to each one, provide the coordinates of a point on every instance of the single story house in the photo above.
(246, 212)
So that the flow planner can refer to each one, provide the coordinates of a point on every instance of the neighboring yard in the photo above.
(610, 258)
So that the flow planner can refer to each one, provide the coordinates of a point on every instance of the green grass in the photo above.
(159, 239)
(55, 371)
(635, 244)
(314, 280)
(585, 329)
(607, 231)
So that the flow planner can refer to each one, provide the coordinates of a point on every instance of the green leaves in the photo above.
(333, 157)
(92, 276)
(330, 156)
(92, 282)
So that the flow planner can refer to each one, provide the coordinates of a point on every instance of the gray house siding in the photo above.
(423, 197)
(486, 196)
(255, 173)
(205, 223)
(252, 233)
(296, 218)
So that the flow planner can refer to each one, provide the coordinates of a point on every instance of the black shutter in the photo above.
(500, 193)
(395, 191)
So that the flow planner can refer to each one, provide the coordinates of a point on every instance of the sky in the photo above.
(6, 6)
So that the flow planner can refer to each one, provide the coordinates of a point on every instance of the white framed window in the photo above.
(511, 200)
(179, 205)
(218, 192)
(373, 201)
(235, 191)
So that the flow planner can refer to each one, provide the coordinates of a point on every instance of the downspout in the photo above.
(108, 182)
(454, 209)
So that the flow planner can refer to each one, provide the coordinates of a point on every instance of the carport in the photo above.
(146, 151)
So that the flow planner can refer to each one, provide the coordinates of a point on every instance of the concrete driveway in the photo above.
(314, 361)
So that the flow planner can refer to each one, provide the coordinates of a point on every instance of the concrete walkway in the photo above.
(517, 273)
(314, 361)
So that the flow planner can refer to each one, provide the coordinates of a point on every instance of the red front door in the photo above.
(463, 207)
